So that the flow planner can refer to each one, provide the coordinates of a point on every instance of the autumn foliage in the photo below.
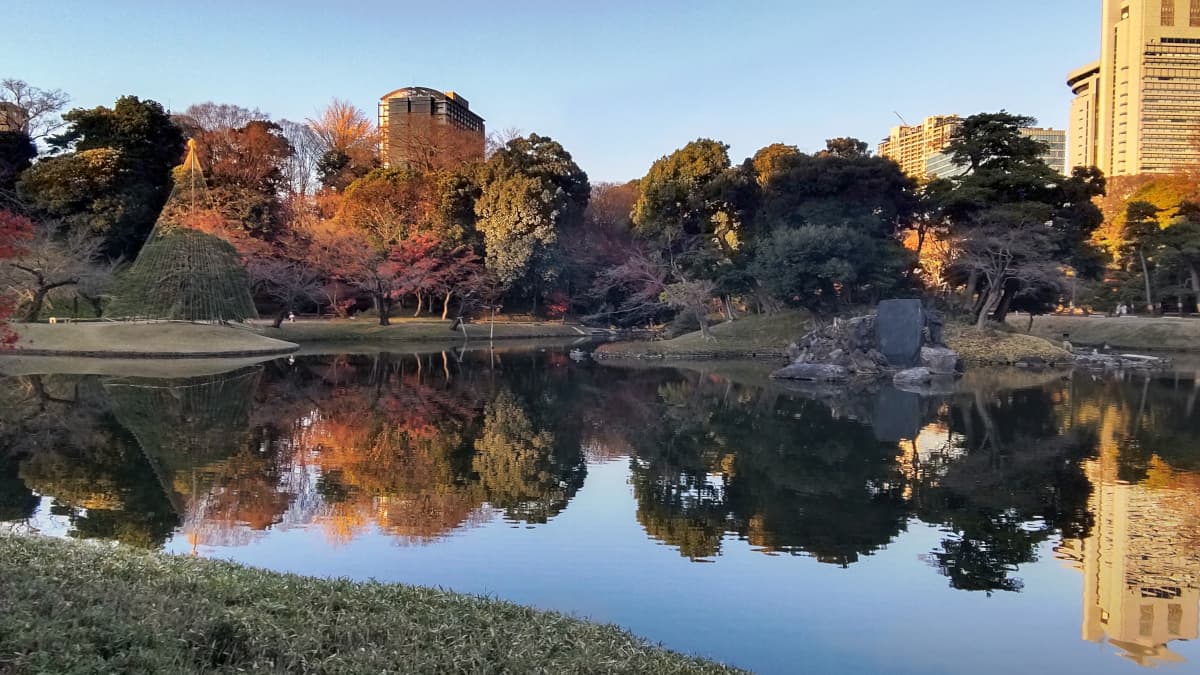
(15, 233)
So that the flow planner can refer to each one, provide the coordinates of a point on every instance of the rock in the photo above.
(941, 360)
(900, 329)
(812, 372)
(913, 377)
(861, 363)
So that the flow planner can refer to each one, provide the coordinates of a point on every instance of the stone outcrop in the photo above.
(1099, 361)
(855, 348)
(941, 360)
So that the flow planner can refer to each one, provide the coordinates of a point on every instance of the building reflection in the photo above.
(1141, 560)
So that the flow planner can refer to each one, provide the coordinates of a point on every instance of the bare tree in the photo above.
(51, 261)
(209, 116)
(1003, 253)
(288, 282)
(29, 109)
(345, 128)
(301, 168)
(498, 139)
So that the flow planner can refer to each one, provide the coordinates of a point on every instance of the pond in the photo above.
(1047, 521)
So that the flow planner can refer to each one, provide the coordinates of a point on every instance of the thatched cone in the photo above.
(181, 272)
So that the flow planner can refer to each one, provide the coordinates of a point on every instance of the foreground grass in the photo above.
(73, 607)
(407, 330)
(1131, 332)
(756, 335)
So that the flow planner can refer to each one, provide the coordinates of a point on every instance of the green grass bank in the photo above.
(410, 330)
(1161, 333)
(72, 607)
(752, 336)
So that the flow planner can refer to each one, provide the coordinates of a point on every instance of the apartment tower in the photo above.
(1138, 109)
(424, 128)
(919, 149)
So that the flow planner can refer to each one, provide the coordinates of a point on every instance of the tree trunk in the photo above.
(35, 308)
(703, 317)
(993, 300)
(279, 317)
(1146, 277)
(972, 282)
(381, 306)
(420, 304)
(446, 305)
(1195, 286)
(1001, 312)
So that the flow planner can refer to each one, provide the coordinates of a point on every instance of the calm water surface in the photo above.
(1047, 522)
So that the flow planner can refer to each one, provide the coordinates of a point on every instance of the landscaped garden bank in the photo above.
(72, 607)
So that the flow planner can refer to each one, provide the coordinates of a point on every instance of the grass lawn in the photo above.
(408, 330)
(143, 339)
(1131, 332)
(72, 607)
(758, 335)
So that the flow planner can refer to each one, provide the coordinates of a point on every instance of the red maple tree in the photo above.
(15, 232)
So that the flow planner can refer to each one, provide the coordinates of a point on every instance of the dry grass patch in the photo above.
(992, 346)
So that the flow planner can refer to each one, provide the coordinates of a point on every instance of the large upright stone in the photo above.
(899, 326)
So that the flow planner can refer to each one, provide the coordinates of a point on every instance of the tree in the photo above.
(17, 152)
(15, 233)
(532, 193)
(694, 195)
(1141, 233)
(839, 186)
(1006, 181)
(518, 217)
(287, 282)
(822, 267)
(50, 260)
(845, 147)
(118, 176)
(245, 165)
(348, 142)
(393, 204)
(772, 159)
(30, 110)
(1006, 251)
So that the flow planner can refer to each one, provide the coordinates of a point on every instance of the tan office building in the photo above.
(423, 128)
(1138, 109)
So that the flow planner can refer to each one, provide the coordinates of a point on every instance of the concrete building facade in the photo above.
(425, 128)
(1138, 110)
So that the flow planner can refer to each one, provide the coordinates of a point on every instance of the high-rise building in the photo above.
(910, 146)
(425, 128)
(920, 149)
(1138, 110)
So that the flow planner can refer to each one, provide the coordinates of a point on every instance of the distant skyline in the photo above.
(618, 83)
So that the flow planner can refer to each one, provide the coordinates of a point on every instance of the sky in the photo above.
(619, 83)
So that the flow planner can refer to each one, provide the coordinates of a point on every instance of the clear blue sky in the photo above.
(619, 83)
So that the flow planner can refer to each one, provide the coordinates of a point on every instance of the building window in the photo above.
(1168, 12)
(1194, 14)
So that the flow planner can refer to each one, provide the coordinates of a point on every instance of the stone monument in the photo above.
(900, 327)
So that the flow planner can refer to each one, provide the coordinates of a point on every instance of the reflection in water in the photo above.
(417, 448)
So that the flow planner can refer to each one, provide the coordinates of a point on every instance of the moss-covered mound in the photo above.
(73, 607)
